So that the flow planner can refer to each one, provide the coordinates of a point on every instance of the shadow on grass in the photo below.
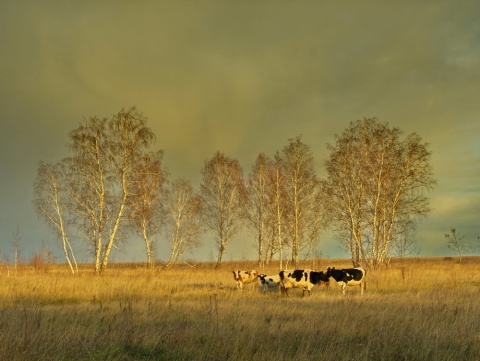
(130, 352)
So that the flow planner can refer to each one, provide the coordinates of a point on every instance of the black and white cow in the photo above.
(268, 281)
(244, 277)
(348, 277)
(301, 278)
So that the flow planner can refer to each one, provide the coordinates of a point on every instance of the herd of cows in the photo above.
(303, 278)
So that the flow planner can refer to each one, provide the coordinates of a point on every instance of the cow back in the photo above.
(245, 276)
(318, 277)
(295, 277)
(346, 274)
(355, 274)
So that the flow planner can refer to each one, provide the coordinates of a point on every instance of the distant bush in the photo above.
(42, 260)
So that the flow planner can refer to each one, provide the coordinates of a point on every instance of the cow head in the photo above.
(319, 277)
(329, 272)
(236, 275)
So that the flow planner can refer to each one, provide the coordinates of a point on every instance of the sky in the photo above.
(240, 77)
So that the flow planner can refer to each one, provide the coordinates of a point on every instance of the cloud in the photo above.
(241, 78)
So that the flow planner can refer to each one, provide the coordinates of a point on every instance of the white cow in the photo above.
(301, 278)
(268, 281)
(348, 277)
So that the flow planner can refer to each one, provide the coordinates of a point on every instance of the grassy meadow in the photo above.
(416, 309)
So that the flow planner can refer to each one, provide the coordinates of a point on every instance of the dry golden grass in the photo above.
(421, 309)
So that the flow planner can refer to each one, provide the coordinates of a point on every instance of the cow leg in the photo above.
(344, 285)
(283, 289)
(306, 289)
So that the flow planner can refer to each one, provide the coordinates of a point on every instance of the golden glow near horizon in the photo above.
(241, 78)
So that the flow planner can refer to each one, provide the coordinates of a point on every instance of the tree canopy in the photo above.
(376, 188)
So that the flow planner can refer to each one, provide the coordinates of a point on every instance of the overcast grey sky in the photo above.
(241, 77)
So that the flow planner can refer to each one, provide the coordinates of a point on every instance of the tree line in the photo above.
(114, 183)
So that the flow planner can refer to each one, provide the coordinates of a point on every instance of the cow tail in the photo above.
(365, 280)
(282, 285)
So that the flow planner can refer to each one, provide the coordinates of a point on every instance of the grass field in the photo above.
(417, 309)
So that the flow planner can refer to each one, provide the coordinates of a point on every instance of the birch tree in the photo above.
(183, 222)
(258, 206)
(223, 199)
(376, 184)
(278, 195)
(345, 191)
(303, 196)
(106, 152)
(16, 248)
(51, 201)
(458, 244)
(148, 194)
(96, 181)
